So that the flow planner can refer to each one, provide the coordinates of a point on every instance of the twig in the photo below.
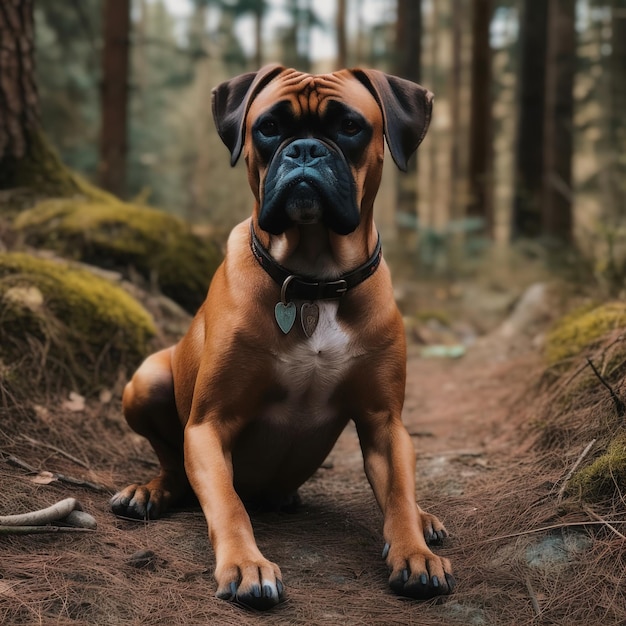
(39, 530)
(60, 477)
(533, 597)
(574, 467)
(533, 531)
(53, 513)
(620, 407)
(603, 521)
(67, 455)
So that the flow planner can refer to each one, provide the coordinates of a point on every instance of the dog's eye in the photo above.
(350, 127)
(268, 127)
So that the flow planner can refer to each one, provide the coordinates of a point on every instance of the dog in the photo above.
(299, 332)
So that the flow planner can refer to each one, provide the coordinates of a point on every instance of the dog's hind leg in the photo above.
(150, 410)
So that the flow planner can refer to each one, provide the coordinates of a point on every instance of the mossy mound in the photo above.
(120, 236)
(62, 326)
(580, 329)
(606, 476)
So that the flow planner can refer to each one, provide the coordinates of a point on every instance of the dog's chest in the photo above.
(311, 369)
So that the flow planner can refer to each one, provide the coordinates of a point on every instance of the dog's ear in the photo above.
(406, 108)
(230, 102)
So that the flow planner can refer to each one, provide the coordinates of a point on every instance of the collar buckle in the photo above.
(340, 286)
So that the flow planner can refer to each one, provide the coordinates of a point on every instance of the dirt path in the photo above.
(329, 550)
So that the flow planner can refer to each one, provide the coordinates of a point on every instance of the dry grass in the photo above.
(329, 551)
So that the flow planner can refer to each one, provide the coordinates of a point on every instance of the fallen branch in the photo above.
(51, 514)
(574, 467)
(40, 530)
(68, 511)
(60, 477)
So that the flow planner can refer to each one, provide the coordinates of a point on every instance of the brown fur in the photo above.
(202, 402)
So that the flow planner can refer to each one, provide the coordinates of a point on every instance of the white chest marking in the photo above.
(313, 368)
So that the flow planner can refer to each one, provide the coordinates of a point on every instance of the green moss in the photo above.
(43, 172)
(606, 476)
(580, 329)
(65, 324)
(122, 236)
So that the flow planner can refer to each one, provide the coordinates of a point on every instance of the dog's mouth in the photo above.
(303, 203)
(321, 191)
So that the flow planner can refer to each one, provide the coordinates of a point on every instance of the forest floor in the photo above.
(477, 471)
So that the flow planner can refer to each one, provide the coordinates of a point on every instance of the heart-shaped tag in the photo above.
(309, 316)
(285, 315)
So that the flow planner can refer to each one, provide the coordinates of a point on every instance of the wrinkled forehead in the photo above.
(310, 94)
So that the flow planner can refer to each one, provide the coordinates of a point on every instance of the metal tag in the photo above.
(285, 314)
(309, 316)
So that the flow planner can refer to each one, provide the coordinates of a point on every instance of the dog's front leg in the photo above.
(241, 571)
(389, 459)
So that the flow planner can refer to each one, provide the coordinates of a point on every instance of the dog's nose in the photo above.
(304, 151)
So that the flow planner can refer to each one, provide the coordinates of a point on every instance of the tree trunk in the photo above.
(408, 65)
(19, 103)
(558, 121)
(481, 132)
(531, 94)
(342, 42)
(617, 113)
(258, 35)
(455, 108)
(115, 72)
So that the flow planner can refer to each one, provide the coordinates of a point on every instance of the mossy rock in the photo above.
(606, 476)
(582, 328)
(121, 236)
(62, 326)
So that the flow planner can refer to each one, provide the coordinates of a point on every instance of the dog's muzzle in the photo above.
(309, 181)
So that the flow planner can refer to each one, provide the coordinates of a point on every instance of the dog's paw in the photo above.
(434, 531)
(420, 574)
(139, 502)
(255, 584)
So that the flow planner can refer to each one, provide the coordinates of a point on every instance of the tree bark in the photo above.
(558, 121)
(408, 65)
(114, 102)
(342, 41)
(481, 132)
(19, 103)
(531, 96)
(617, 113)
(456, 176)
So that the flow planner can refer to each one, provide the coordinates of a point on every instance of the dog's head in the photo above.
(314, 144)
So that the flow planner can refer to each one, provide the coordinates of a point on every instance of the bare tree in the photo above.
(558, 121)
(531, 96)
(617, 113)
(481, 131)
(342, 41)
(408, 64)
(458, 15)
(114, 101)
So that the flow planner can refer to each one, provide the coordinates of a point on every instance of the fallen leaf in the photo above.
(105, 396)
(44, 478)
(75, 403)
(41, 412)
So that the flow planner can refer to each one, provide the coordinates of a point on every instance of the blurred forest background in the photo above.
(116, 194)
(528, 136)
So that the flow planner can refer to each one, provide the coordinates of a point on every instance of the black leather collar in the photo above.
(309, 288)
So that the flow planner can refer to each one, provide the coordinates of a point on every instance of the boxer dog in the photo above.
(299, 332)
